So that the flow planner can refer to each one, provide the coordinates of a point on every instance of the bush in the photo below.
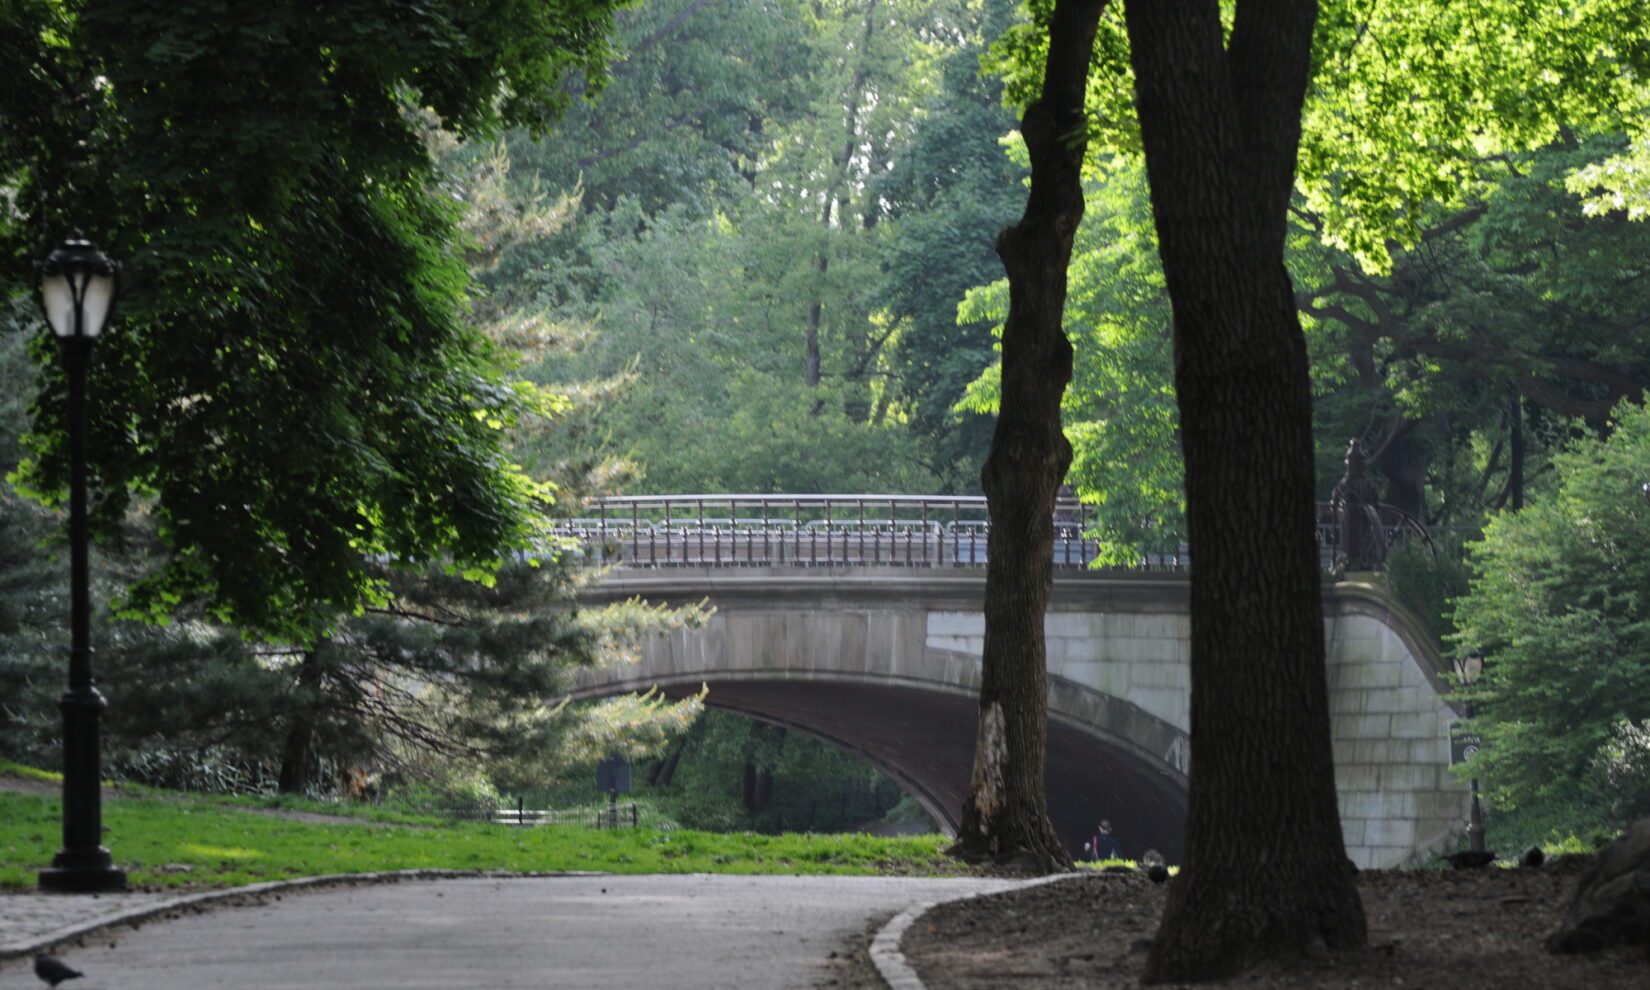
(1624, 763)
(1560, 604)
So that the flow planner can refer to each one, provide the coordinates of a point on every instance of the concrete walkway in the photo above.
(641, 932)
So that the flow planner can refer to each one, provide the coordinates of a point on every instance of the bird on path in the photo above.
(1158, 873)
(54, 970)
(1532, 857)
(1468, 859)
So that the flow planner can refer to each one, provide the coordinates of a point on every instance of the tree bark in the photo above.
(1005, 818)
(298, 751)
(1265, 872)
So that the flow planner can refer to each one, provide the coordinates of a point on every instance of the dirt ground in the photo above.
(1440, 929)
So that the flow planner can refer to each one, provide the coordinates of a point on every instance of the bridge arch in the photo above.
(884, 663)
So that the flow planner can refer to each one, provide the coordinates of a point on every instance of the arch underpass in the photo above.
(884, 663)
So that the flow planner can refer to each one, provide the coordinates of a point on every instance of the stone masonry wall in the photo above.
(1399, 801)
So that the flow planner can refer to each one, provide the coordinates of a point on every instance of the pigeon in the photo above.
(53, 970)
(1532, 857)
(1468, 859)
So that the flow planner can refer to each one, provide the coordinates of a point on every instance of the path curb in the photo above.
(39, 943)
(885, 952)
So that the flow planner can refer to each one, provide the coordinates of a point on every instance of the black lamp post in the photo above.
(77, 286)
(1468, 668)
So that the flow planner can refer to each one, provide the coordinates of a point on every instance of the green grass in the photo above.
(175, 841)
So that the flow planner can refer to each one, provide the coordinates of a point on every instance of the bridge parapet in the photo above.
(866, 531)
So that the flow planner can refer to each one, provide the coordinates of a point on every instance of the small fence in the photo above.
(656, 531)
(613, 816)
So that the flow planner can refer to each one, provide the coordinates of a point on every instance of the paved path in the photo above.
(611, 932)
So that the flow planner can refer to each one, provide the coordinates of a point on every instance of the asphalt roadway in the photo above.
(590, 932)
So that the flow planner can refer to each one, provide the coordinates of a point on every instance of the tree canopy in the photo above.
(288, 382)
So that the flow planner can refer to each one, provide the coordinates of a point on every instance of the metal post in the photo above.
(1475, 819)
(1475, 825)
(82, 865)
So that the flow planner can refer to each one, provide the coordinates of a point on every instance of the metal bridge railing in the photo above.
(862, 530)
(814, 531)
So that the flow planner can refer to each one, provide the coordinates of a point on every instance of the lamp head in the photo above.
(1470, 665)
(77, 284)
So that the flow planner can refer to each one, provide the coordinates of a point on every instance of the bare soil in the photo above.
(1442, 929)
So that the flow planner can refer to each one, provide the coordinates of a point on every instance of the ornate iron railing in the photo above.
(846, 531)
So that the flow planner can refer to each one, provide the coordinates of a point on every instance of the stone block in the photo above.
(1448, 806)
(1409, 777)
(1075, 625)
(1435, 750)
(1379, 751)
(1360, 855)
(1168, 628)
(1068, 649)
(956, 624)
(1357, 777)
(1424, 726)
(1361, 727)
(1397, 833)
(1167, 704)
(1371, 675)
(1362, 804)
(1116, 679)
(1172, 675)
(972, 645)
(1382, 701)
(1346, 702)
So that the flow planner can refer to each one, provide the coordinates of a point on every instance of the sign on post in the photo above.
(613, 775)
(1463, 745)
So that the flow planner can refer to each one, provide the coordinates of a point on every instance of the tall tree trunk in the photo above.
(298, 751)
(1265, 871)
(1005, 818)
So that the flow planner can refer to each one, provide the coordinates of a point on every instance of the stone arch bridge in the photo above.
(882, 659)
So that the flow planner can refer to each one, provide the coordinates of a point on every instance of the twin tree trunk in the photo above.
(1005, 819)
(1265, 872)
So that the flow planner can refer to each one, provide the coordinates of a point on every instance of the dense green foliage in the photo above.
(773, 240)
(1560, 605)
(288, 382)
(300, 409)
(1519, 301)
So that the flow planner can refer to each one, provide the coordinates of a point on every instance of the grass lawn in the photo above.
(175, 841)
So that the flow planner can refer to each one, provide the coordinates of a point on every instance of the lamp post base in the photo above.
(89, 872)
